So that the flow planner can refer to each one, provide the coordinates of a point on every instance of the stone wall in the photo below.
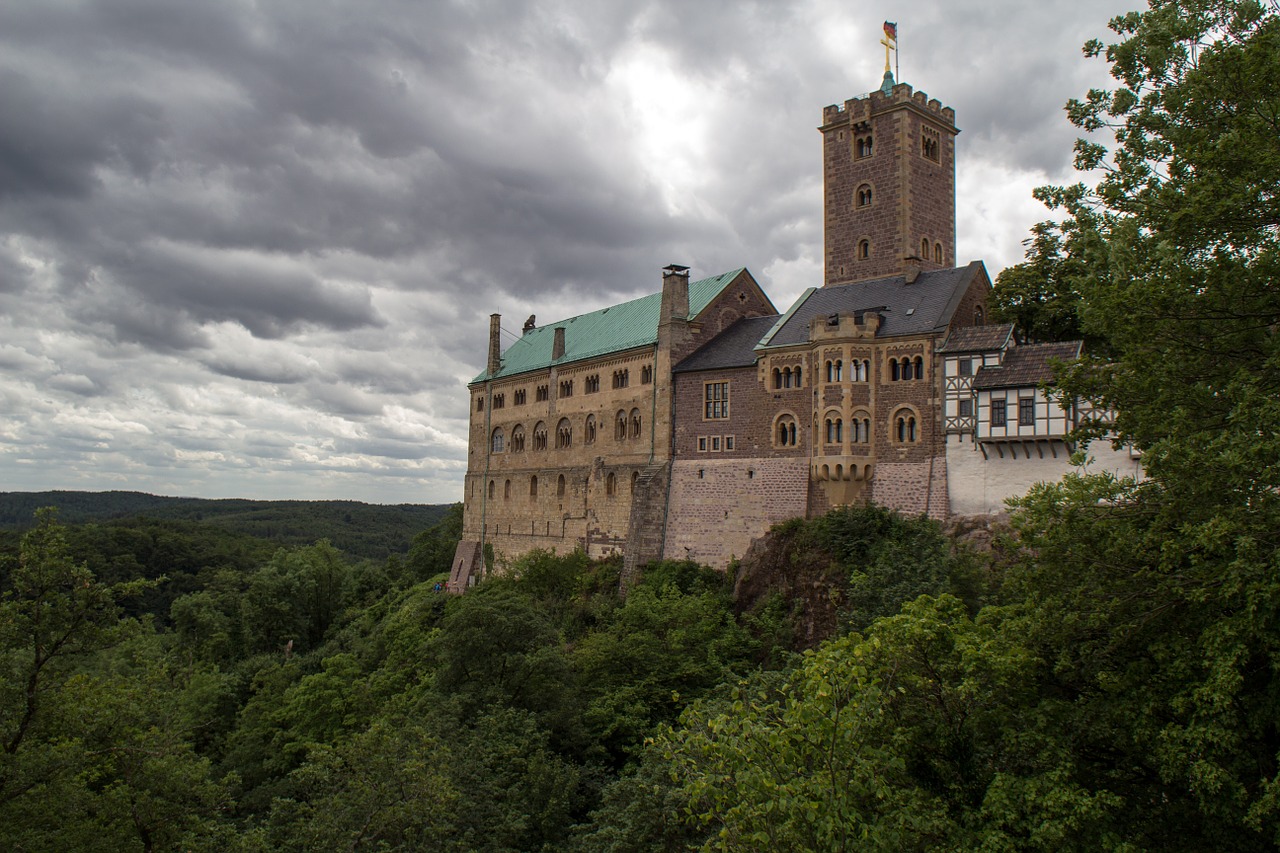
(718, 506)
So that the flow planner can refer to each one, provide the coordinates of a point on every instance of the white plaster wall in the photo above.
(981, 486)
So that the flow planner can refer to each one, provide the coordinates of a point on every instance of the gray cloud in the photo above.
(251, 249)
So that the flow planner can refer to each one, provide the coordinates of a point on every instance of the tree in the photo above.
(1041, 296)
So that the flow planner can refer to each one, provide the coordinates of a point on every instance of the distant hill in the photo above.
(360, 529)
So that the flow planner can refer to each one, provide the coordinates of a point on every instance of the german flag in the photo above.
(891, 30)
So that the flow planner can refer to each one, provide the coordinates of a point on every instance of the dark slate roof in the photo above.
(925, 305)
(1026, 365)
(734, 347)
(978, 338)
(614, 329)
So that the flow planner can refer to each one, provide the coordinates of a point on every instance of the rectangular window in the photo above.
(728, 442)
(715, 444)
(1027, 411)
(716, 399)
(997, 413)
(966, 408)
(966, 367)
(702, 444)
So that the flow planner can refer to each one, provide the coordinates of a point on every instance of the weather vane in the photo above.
(890, 42)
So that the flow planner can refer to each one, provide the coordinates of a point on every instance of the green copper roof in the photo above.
(613, 329)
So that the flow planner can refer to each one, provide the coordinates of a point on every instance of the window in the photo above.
(895, 370)
(864, 249)
(540, 436)
(621, 378)
(560, 486)
(635, 423)
(517, 439)
(635, 478)
(863, 146)
(777, 378)
(715, 444)
(521, 396)
(542, 394)
(997, 413)
(646, 374)
(966, 408)
(564, 434)
(497, 443)
(716, 400)
(863, 197)
(860, 430)
(1027, 411)
(905, 427)
(924, 249)
(506, 490)
(929, 144)
(728, 442)
(620, 426)
(835, 430)
(919, 367)
(589, 431)
(966, 367)
(937, 253)
(533, 486)
(493, 489)
(702, 444)
(858, 370)
(610, 484)
(566, 388)
(591, 384)
(978, 317)
(479, 404)
(499, 400)
(785, 431)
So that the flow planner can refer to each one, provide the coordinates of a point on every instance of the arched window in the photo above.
(506, 490)
(777, 378)
(610, 484)
(493, 489)
(497, 443)
(924, 249)
(904, 426)
(620, 426)
(839, 370)
(977, 316)
(835, 430)
(864, 249)
(589, 431)
(831, 371)
(540, 436)
(635, 478)
(635, 423)
(863, 146)
(533, 486)
(784, 431)
(797, 377)
(937, 253)
(560, 486)
(564, 434)
(919, 367)
(517, 439)
(863, 198)
(895, 370)
(860, 430)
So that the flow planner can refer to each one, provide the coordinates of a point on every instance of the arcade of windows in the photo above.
(784, 431)
(863, 196)
(859, 429)
(566, 388)
(562, 486)
(924, 250)
(859, 370)
(715, 443)
(862, 146)
(646, 374)
(542, 394)
(499, 400)
(621, 378)
(628, 425)
(929, 144)
(520, 397)
(904, 426)
(906, 368)
(591, 384)
(787, 377)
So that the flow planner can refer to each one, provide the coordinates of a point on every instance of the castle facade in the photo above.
(686, 423)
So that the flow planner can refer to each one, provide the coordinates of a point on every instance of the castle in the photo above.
(686, 423)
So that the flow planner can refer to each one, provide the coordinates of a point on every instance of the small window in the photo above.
(1027, 411)
(517, 439)
(533, 486)
(785, 431)
(978, 316)
(937, 253)
(863, 197)
(702, 444)
(479, 404)
(635, 423)
(521, 397)
(966, 367)
(564, 434)
(591, 384)
(620, 426)
(777, 379)
(864, 250)
(919, 363)
(635, 479)
(728, 442)
(862, 146)
(997, 413)
(924, 249)
(966, 408)
(493, 489)
(610, 484)
(560, 486)
(715, 444)
(506, 490)
(589, 431)
(646, 375)
(543, 393)
(905, 427)
(497, 443)
(566, 388)
(499, 400)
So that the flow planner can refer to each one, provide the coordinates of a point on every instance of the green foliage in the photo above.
(1041, 296)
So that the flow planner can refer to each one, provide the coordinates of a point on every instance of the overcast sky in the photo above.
(248, 248)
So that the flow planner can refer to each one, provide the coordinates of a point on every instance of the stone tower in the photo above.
(889, 185)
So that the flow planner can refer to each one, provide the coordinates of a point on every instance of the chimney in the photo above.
(675, 294)
(495, 344)
(530, 324)
(911, 268)
(557, 345)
